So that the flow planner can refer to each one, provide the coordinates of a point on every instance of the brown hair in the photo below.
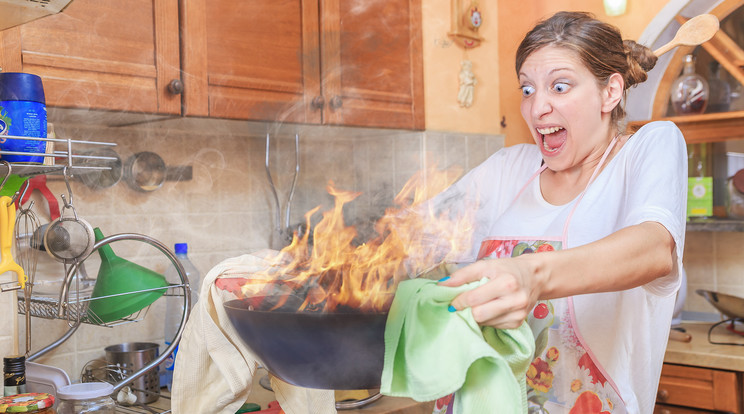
(598, 45)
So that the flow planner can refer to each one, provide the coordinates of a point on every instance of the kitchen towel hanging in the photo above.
(211, 352)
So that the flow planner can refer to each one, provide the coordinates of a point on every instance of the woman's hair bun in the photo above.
(640, 61)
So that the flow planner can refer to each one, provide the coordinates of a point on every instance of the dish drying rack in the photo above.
(74, 306)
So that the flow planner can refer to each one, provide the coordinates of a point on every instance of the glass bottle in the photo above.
(689, 92)
(720, 90)
(700, 180)
(14, 370)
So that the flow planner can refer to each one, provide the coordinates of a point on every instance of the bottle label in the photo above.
(170, 361)
(700, 197)
(14, 379)
(23, 119)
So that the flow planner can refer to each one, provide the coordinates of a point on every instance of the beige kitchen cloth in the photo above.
(214, 370)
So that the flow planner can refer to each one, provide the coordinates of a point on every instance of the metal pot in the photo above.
(334, 351)
(731, 306)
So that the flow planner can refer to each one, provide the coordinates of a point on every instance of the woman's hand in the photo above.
(506, 299)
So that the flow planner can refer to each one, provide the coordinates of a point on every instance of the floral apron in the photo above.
(565, 376)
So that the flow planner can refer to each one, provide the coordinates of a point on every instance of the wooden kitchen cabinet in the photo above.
(102, 54)
(686, 389)
(336, 62)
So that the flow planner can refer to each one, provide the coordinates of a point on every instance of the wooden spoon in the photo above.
(695, 31)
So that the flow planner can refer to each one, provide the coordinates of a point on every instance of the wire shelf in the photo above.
(76, 163)
(48, 308)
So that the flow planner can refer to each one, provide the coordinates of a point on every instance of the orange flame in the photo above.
(335, 274)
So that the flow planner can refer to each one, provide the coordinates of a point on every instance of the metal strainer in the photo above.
(69, 238)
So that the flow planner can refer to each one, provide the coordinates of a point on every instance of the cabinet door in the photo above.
(103, 54)
(251, 59)
(708, 389)
(372, 70)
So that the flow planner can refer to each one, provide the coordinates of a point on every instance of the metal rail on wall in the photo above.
(71, 160)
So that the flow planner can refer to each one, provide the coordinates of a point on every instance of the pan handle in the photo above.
(350, 405)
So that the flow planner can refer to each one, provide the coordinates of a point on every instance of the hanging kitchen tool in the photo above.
(69, 238)
(693, 32)
(7, 228)
(27, 255)
(146, 171)
(6, 237)
(283, 229)
(108, 172)
(39, 183)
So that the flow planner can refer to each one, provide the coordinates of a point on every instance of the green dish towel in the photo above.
(431, 353)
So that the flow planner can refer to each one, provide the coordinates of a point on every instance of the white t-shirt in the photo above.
(645, 181)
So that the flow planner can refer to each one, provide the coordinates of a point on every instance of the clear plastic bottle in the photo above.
(690, 92)
(174, 307)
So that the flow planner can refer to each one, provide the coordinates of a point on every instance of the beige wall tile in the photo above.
(227, 209)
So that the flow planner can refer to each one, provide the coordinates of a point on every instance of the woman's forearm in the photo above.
(625, 259)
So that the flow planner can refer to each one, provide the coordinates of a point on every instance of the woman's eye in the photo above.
(527, 90)
(560, 87)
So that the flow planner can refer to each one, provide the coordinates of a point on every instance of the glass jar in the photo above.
(689, 92)
(86, 397)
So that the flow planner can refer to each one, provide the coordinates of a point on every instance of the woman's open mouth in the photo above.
(553, 138)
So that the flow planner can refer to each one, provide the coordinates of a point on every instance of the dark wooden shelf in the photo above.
(715, 224)
(713, 127)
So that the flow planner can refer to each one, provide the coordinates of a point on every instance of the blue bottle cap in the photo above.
(16, 86)
(182, 248)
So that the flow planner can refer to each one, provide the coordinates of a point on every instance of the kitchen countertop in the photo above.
(262, 397)
(700, 352)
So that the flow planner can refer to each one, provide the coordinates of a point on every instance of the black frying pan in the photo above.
(334, 351)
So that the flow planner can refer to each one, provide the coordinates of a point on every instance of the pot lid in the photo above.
(26, 403)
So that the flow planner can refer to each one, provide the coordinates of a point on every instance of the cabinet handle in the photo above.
(336, 102)
(175, 87)
(318, 102)
(662, 395)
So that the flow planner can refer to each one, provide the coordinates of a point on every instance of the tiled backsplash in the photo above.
(713, 261)
(227, 208)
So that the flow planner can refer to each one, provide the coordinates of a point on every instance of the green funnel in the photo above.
(117, 276)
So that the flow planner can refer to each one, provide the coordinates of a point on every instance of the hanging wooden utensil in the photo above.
(693, 32)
